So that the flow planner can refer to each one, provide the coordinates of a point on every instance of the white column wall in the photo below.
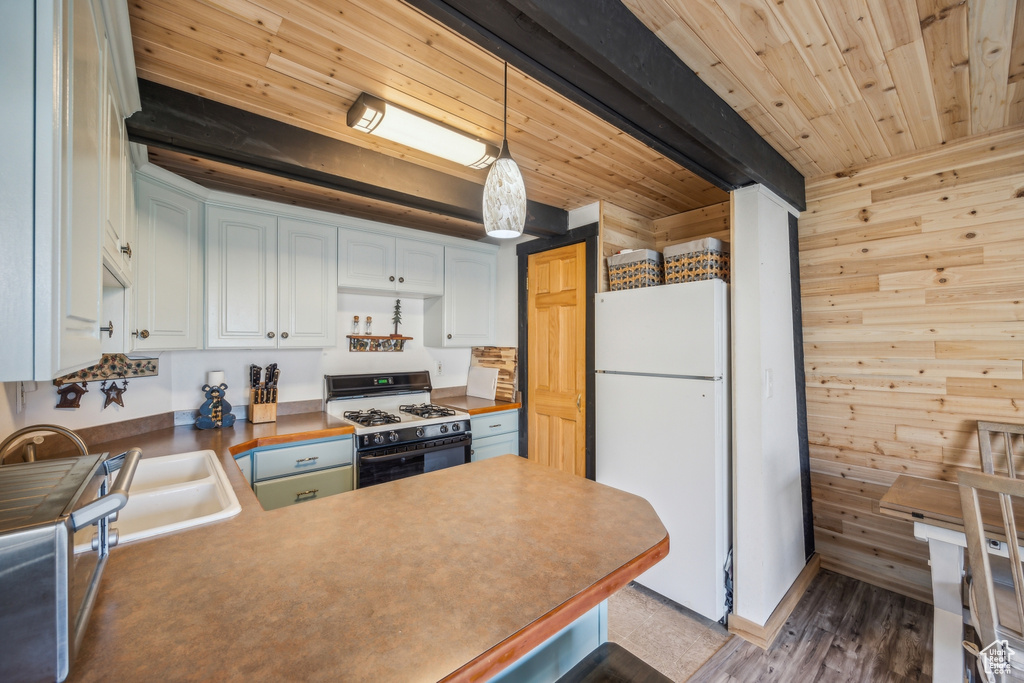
(768, 547)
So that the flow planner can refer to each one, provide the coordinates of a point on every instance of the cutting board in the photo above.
(504, 359)
(482, 382)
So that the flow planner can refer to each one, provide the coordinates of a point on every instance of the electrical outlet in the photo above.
(440, 369)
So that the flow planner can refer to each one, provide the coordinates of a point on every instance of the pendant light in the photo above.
(504, 192)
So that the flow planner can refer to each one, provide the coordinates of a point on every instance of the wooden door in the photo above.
(556, 347)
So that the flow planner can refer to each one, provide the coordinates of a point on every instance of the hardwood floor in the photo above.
(843, 631)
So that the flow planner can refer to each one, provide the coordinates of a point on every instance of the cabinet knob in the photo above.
(284, 335)
(391, 279)
(127, 249)
(109, 329)
(141, 334)
(449, 336)
(270, 335)
(401, 279)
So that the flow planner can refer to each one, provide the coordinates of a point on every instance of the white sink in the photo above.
(172, 493)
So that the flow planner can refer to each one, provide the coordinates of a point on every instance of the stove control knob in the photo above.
(444, 429)
(419, 432)
(456, 427)
(378, 439)
(393, 437)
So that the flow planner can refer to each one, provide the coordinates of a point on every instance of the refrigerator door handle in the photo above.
(653, 374)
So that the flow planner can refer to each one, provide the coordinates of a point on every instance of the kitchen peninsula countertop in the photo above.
(448, 575)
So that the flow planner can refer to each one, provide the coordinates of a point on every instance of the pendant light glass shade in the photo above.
(504, 191)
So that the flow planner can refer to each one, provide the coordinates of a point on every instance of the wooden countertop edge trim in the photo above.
(526, 639)
(278, 439)
(494, 409)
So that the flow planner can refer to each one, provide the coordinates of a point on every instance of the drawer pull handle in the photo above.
(311, 492)
(493, 426)
(311, 459)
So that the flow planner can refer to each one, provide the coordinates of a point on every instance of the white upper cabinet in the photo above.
(307, 297)
(465, 315)
(168, 287)
(116, 177)
(54, 193)
(380, 263)
(269, 286)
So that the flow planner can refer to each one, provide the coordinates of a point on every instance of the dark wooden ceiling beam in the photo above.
(182, 122)
(600, 55)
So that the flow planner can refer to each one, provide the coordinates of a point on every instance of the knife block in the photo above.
(261, 412)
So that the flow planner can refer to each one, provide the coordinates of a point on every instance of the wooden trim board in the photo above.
(764, 636)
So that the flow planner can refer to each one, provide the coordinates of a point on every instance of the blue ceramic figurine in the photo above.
(216, 411)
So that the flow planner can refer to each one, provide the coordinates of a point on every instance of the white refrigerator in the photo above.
(662, 426)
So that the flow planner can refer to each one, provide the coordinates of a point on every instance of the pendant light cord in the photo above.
(504, 129)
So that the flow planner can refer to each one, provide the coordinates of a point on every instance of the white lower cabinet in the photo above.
(167, 295)
(464, 315)
(495, 434)
(300, 472)
(270, 282)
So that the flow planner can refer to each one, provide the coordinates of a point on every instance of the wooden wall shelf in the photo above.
(365, 342)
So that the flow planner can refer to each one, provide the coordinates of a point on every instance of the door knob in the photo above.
(127, 249)
(578, 398)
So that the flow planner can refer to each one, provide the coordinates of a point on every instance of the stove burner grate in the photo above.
(427, 410)
(371, 418)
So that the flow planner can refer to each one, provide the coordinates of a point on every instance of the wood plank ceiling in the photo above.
(829, 83)
(834, 83)
(305, 61)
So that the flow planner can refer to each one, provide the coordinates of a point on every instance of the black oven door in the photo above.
(379, 466)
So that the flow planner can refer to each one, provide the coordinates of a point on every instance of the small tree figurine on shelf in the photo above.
(397, 317)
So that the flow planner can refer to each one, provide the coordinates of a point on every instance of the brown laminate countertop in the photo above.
(476, 406)
(448, 575)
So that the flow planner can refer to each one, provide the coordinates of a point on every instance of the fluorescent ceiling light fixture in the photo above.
(504, 191)
(373, 115)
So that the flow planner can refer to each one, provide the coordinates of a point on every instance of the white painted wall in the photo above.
(183, 373)
(768, 551)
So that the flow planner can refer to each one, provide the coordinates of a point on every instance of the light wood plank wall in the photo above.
(624, 229)
(912, 279)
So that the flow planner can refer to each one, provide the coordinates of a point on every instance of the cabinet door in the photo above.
(114, 160)
(169, 280)
(307, 279)
(493, 446)
(241, 279)
(366, 260)
(79, 284)
(464, 316)
(419, 267)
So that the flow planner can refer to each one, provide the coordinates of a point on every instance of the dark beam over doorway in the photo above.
(179, 121)
(600, 55)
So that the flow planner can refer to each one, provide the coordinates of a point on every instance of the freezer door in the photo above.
(666, 440)
(678, 329)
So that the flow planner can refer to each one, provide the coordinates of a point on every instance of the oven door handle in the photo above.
(116, 499)
(417, 452)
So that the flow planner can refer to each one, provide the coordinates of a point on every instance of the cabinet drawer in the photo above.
(494, 446)
(279, 462)
(490, 424)
(302, 487)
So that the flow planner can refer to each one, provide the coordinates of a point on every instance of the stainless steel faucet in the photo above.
(8, 445)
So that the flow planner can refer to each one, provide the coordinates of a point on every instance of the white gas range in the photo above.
(398, 431)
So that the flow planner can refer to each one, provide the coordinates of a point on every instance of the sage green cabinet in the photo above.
(299, 472)
(495, 434)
